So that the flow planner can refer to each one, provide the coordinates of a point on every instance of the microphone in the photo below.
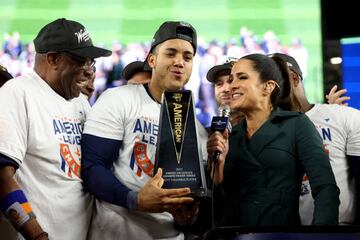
(220, 123)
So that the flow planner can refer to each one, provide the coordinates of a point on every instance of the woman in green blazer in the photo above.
(259, 171)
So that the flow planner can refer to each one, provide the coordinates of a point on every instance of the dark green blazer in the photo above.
(262, 176)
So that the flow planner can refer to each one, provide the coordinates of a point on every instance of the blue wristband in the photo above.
(16, 208)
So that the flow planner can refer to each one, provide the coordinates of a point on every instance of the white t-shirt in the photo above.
(129, 114)
(339, 127)
(41, 131)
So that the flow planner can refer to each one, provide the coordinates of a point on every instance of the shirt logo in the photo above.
(68, 131)
(142, 160)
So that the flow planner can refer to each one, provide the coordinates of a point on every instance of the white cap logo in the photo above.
(185, 24)
(82, 35)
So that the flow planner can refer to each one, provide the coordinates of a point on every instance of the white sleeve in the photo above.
(13, 122)
(353, 130)
(202, 141)
(106, 117)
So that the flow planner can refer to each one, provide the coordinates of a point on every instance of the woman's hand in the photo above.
(217, 147)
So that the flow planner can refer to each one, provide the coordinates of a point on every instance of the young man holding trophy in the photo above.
(119, 146)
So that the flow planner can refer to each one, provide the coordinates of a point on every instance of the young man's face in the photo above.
(172, 63)
(222, 89)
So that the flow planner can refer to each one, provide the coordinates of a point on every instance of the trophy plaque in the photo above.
(177, 151)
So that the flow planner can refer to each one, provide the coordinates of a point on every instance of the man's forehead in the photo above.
(222, 77)
(177, 45)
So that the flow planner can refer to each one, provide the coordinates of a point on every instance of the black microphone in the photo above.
(220, 123)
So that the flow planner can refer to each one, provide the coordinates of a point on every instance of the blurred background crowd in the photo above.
(18, 57)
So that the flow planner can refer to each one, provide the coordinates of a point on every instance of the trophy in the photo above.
(177, 151)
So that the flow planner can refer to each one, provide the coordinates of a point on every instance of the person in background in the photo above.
(41, 120)
(87, 87)
(339, 128)
(113, 77)
(219, 75)
(119, 145)
(336, 96)
(135, 73)
(250, 173)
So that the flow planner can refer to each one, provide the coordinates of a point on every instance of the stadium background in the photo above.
(135, 21)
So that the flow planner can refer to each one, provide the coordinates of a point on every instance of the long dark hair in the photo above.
(273, 68)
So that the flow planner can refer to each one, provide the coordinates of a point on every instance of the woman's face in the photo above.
(247, 91)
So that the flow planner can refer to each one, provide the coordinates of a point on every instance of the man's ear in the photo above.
(151, 60)
(52, 59)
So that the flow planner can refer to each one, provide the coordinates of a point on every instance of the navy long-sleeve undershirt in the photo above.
(98, 156)
(6, 161)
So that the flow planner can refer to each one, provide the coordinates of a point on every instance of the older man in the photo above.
(41, 119)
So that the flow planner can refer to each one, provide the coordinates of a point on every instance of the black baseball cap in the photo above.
(290, 61)
(173, 30)
(218, 70)
(132, 68)
(64, 35)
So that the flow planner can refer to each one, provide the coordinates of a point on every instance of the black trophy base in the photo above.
(200, 193)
